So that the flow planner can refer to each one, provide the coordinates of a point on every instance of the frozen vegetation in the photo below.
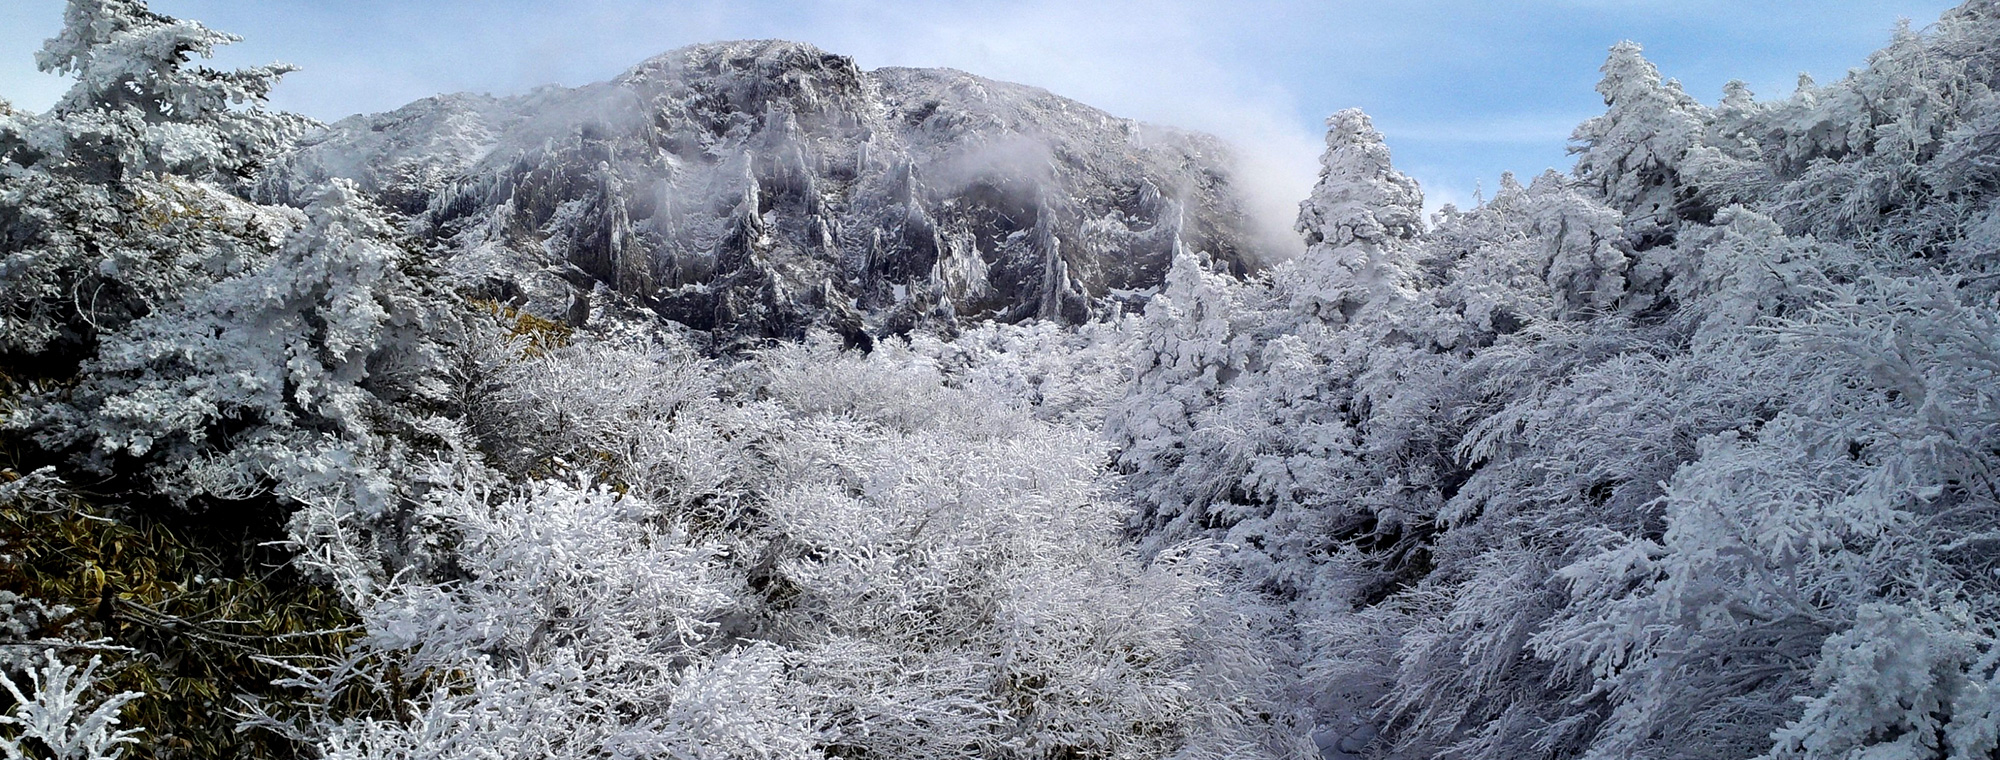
(752, 405)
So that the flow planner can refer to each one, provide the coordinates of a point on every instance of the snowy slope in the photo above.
(764, 188)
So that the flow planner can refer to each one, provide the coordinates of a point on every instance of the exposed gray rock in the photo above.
(760, 189)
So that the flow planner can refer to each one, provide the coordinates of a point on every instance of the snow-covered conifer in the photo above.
(118, 198)
(1356, 223)
(140, 106)
(1631, 156)
(300, 353)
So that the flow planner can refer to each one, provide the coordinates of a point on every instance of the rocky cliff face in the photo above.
(761, 189)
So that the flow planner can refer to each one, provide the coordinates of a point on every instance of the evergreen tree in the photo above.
(1361, 214)
(1632, 155)
(119, 198)
(302, 353)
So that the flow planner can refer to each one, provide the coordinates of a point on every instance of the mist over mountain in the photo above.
(754, 406)
(766, 188)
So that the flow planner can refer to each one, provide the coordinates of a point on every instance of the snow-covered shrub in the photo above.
(56, 715)
(812, 552)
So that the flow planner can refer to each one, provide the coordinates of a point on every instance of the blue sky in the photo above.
(1463, 89)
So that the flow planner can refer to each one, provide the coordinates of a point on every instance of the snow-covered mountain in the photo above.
(763, 188)
(1686, 454)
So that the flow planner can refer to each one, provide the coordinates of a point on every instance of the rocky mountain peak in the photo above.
(759, 189)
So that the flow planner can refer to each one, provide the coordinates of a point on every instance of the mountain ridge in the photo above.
(760, 189)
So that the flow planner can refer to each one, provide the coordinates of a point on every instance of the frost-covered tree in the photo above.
(1630, 466)
(231, 389)
(1191, 342)
(117, 199)
(1360, 214)
(1631, 156)
(1883, 154)
(139, 107)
